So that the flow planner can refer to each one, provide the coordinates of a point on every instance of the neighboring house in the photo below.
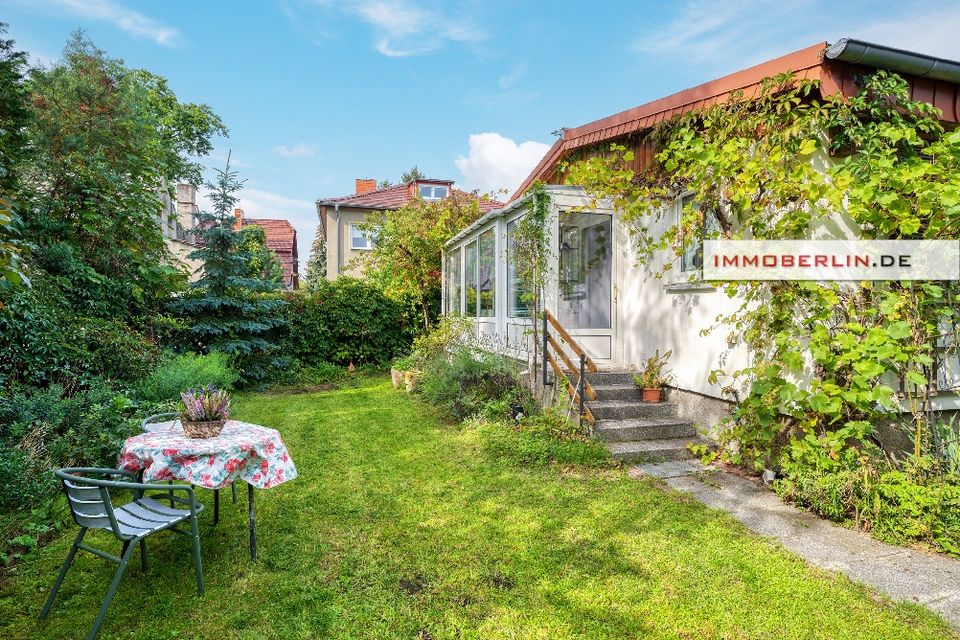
(616, 309)
(282, 240)
(177, 220)
(340, 218)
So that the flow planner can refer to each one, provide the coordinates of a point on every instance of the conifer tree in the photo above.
(317, 264)
(230, 307)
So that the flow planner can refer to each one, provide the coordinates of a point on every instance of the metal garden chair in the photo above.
(164, 420)
(92, 507)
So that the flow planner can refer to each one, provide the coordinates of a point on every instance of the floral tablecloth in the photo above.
(242, 451)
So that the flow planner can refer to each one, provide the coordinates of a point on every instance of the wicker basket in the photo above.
(209, 429)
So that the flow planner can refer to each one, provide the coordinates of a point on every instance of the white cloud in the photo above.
(933, 32)
(257, 203)
(497, 162)
(125, 19)
(296, 151)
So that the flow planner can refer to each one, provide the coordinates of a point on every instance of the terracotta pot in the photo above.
(651, 395)
(413, 379)
(397, 376)
(210, 429)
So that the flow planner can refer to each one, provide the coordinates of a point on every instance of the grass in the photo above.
(400, 526)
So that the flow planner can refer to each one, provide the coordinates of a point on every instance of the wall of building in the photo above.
(341, 258)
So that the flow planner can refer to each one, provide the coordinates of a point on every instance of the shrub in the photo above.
(548, 438)
(346, 320)
(43, 429)
(464, 381)
(178, 372)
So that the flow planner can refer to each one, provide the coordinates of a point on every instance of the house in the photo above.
(341, 218)
(616, 311)
(176, 221)
(281, 239)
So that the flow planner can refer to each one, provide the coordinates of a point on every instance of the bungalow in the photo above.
(341, 218)
(616, 312)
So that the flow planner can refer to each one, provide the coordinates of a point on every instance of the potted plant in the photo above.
(653, 377)
(412, 376)
(205, 411)
(399, 369)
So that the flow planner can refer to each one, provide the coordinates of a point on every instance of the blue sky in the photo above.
(319, 92)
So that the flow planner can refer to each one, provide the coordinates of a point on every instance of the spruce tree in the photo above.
(230, 307)
(317, 264)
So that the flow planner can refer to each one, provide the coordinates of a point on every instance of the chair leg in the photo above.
(233, 491)
(143, 555)
(128, 551)
(63, 574)
(196, 553)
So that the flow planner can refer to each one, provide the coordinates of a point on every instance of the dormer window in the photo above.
(433, 191)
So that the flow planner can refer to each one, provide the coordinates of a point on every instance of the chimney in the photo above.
(238, 214)
(365, 185)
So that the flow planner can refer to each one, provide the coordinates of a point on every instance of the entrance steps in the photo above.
(637, 431)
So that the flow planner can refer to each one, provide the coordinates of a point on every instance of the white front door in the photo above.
(586, 303)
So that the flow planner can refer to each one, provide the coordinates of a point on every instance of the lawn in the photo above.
(401, 526)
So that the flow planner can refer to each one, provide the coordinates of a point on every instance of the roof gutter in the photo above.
(881, 57)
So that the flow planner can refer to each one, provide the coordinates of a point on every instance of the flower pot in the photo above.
(651, 395)
(209, 429)
(397, 377)
(413, 379)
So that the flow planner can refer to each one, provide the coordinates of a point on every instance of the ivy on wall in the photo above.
(827, 355)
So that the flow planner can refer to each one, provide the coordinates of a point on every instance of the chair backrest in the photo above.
(159, 420)
(89, 501)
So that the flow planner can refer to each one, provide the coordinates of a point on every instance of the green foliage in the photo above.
(757, 168)
(104, 143)
(232, 307)
(43, 429)
(345, 320)
(14, 117)
(465, 379)
(178, 372)
(653, 376)
(262, 262)
(407, 256)
(317, 264)
(541, 440)
(44, 342)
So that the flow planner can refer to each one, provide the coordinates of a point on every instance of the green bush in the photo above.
(43, 429)
(346, 320)
(175, 373)
(464, 381)
(842, 476)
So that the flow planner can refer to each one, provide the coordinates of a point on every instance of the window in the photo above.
(470, 277)
(361, 239)
(487, 273)
(454, 282)
(518, 296)
(433, 191)
(586, 271)
(692, 258)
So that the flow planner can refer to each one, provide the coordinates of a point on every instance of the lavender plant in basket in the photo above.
(205, 411)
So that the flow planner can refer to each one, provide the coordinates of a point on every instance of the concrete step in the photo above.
(653, 450)
(631, 409)
(616, 391)
(610, 377)
(648, 429)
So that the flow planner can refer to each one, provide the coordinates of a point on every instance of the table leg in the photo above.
(253, 528)
(216, 506)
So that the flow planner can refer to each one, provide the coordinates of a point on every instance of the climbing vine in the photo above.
(824, 356)
(530, 257)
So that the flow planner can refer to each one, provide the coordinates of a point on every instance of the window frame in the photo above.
(433, 191)
(370, 237)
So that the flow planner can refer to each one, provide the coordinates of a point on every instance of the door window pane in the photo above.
(518, 296)
(470, 278)
(487, 273)
(586, 271)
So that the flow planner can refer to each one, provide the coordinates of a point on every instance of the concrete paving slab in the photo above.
(901, 573)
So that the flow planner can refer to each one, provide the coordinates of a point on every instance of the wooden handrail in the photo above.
(576, 348)
(570, 367)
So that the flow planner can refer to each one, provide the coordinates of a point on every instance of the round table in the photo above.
(242, 451)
